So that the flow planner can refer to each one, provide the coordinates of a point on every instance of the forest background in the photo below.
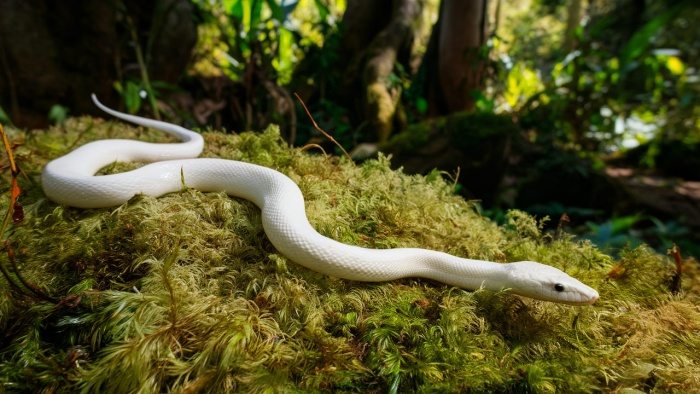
(582, 111)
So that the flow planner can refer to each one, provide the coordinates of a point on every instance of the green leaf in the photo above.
(58, 113)
(285, 55)
(277, 12)
(235, 9)
(280, 12)
(522, 83)
(483, 103)
(255, 14)
(323, 10)
(4, 118)
(131, 96)
(422, 105)
(624, 223)
(641, 39)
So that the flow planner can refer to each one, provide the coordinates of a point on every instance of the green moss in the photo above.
(185, 293)
(468, 131)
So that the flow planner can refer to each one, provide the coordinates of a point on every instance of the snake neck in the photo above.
(465, 273)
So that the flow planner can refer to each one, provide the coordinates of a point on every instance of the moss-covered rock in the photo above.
(185, 293)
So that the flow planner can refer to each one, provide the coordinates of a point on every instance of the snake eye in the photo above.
(559, 287)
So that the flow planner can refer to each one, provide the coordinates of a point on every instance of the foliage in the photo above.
(4, 117)
(522, 83)
(132, 94)
(255, 47)
(614, 232)
(135, 90)
(628, 231)
(608, 93)
(612, 235)
(185, 293)
(58, 113)
(243, 35)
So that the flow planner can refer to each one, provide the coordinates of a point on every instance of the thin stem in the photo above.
(14, 212)
(320, 130)
(144, 71)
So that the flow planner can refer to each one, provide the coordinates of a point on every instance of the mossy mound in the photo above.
(185, 293)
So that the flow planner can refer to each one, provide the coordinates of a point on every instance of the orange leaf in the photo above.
(15, 190)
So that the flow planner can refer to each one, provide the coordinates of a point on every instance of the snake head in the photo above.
(543, 282)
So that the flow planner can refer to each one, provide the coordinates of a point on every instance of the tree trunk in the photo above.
(375, 37)
(573, 20)
(381, 99)
(454, 62)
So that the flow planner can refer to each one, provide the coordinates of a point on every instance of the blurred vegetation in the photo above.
(623, 92)
(627, 79)
(607, 93)
(588, 85)
(622, 77)
(238, 35)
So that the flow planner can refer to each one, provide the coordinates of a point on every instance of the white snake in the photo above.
(71, 180)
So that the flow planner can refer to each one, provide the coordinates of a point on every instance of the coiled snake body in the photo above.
(70, 180)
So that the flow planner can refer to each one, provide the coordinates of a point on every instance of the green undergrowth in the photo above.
(184, 293)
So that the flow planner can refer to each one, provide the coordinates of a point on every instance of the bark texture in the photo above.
(573, 20)
(460, 65)
(381, 98)
(376, 36)
(454, 63)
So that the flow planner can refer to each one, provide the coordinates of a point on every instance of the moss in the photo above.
(468, 131)
(476, 145)
(185, 293)
(414, 137)
(381, 108)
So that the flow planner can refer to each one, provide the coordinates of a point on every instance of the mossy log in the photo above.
(184, 293)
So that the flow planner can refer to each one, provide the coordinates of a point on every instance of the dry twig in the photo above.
(15, 212)
(675, 252)
(320, 130)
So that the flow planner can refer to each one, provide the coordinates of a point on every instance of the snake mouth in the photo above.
(591, 295)
(585, 299)
(582, 302)
(593, 299)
